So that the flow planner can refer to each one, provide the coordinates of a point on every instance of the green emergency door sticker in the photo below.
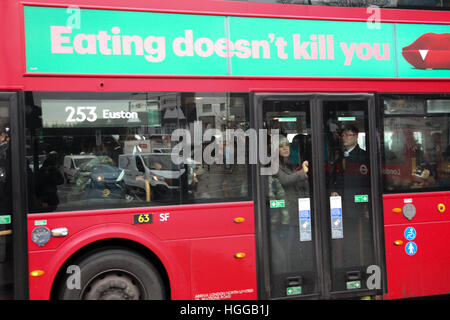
(277, 204)
(362, 198)
(290, 291)
(353, 285)
(5, 219)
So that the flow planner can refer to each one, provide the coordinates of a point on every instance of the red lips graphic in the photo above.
(429, 51)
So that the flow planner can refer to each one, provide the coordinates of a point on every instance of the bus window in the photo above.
(91, 150)
(416, 144)
(219, 122)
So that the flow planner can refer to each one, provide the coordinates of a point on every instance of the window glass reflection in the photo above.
(109, 150)
(416, 148)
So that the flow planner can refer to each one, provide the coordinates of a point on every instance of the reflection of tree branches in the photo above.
(363, 3)
(294, 1)
(343, 3)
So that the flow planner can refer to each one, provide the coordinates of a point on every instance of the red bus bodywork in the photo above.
(197, 244)
(426, 272)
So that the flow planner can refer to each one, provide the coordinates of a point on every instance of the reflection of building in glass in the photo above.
(217, 111)
(362, 3)
(173, 116)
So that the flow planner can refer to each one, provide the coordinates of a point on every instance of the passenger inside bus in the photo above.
(351, 178)
(294, 180)
(286, 186)
(5, 171)
(48, 179)
(444, 182)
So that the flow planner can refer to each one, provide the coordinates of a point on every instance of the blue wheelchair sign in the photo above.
(410, 233)
(411, 248)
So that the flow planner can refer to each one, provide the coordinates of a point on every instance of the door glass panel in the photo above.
(6, 273)
(347, 168)
(288, 200)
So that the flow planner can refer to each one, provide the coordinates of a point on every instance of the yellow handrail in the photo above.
(147, 190)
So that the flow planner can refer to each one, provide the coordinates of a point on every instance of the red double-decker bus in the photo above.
(224, 149)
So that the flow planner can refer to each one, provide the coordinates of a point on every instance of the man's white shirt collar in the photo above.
(347, 153)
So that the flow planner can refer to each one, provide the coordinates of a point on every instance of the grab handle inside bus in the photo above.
(5, 232)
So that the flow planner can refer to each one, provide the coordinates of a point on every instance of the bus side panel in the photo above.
(223, 268)
(173, 255)
(417, 266)
(169, 234)
(40, 287)
(201, 221)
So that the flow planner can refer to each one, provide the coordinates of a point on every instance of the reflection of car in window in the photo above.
(158, 170)
(162, 150)
(72, 165)
(98, 178)
(105, 182)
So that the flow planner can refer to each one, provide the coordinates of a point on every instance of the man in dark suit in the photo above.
(351, 173)
(351, 181)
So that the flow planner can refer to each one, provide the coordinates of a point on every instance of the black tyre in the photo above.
(112, 274)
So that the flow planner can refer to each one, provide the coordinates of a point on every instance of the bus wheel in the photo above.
(113, 274)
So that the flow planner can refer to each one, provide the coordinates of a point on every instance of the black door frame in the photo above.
(261, 225)
(18, 187)
(321, 227)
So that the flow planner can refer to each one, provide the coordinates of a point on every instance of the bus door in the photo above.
(318, 202)
(6, 275)
(13, 266)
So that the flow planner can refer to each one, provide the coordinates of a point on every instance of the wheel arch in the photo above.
(113, 243)
(109, 243)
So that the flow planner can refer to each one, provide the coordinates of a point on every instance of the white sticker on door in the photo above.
(304, 213)
(337, 227)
